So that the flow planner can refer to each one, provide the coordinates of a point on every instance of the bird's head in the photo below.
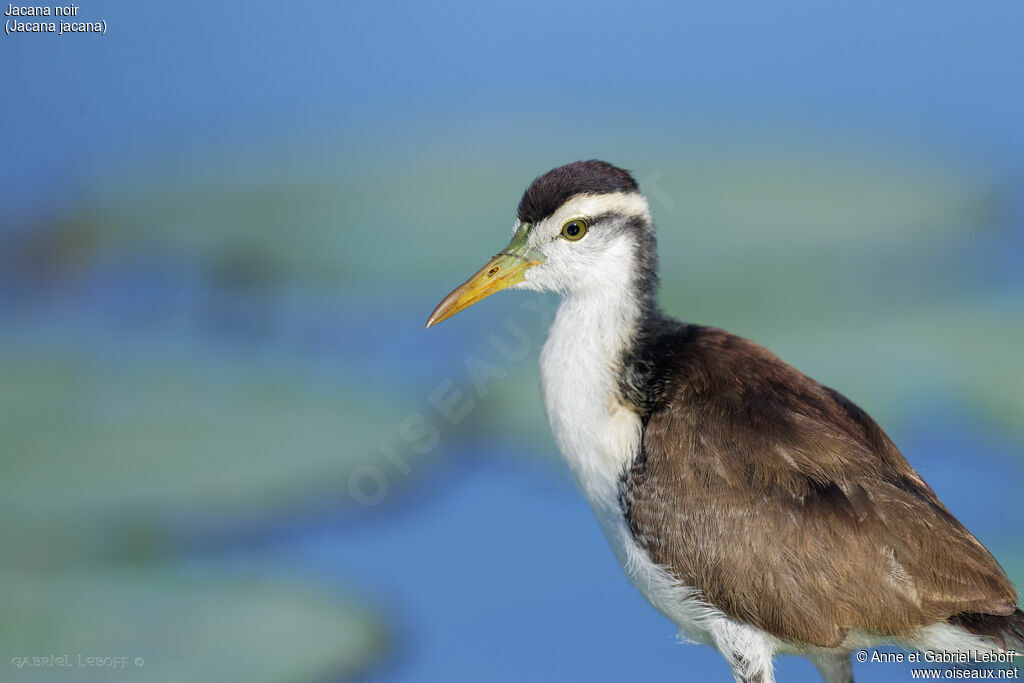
(582, 227)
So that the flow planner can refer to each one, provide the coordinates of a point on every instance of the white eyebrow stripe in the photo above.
(589, 205)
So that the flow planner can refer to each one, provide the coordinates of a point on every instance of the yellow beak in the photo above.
(504, 270)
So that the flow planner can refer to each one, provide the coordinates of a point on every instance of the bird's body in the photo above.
(760, 511)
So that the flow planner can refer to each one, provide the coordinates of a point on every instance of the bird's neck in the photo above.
(593, 334)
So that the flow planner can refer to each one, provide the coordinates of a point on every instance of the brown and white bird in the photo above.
(762, 512)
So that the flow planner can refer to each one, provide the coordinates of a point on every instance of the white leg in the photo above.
(747, 649)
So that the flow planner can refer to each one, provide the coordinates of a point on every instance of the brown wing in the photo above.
(790, 509)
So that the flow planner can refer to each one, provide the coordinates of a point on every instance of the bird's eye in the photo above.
(575, 229)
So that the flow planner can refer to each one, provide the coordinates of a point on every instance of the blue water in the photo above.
(489, 567)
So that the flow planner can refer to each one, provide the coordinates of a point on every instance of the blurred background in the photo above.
(228, 449)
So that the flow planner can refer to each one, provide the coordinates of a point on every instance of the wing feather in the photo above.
(790, 508)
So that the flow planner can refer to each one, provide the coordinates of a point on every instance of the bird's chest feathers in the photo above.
(595, 430)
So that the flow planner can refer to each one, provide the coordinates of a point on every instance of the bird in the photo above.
(759, 510)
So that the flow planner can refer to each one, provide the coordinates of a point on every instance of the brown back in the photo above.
(790, 509)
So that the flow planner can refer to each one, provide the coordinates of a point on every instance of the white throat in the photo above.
(596, 433)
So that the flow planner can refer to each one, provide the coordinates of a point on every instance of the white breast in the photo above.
(597, 435)
(599, 438)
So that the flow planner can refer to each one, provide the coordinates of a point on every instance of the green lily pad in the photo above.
(156, 625)
(105, 454)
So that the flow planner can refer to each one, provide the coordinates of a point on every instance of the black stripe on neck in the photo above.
(653, 360)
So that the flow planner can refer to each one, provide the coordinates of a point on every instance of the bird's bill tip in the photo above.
(502, 271)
